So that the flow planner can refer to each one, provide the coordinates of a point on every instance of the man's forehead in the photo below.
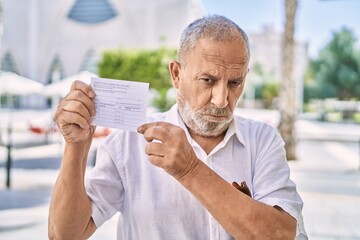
(215, 47)
(220, 52)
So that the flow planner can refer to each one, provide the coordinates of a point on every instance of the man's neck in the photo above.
(207, 143)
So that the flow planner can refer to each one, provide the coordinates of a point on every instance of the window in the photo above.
(90, 62)
(91, 11)
(8, 63)
(56, 71)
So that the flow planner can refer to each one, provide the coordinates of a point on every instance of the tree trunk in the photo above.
(287, 93)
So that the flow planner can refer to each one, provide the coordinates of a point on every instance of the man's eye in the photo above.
(207, 80)
(235, 83)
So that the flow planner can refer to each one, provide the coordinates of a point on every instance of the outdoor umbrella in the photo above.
(14, 84)
(62, 87)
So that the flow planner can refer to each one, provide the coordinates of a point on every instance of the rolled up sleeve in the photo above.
(104, 186)
(272, 184)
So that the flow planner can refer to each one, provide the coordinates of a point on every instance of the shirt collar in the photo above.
(174, 117)
(234, 130)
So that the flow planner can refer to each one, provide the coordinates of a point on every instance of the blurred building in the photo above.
(266, 50)
(47, 40)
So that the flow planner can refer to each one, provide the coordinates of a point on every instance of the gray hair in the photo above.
(214, 27)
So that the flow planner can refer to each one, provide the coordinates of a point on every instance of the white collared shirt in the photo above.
(153, 205)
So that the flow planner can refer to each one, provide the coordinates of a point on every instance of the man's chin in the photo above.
(212, 134)
(213, 129)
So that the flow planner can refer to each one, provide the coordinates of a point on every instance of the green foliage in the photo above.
(336, 72)
(267, 86)
(140, 65)
(267, 92)
(3, 100)
(162, 102)
(258, 69)
(271, 90)
(356, 118)
(333, 116)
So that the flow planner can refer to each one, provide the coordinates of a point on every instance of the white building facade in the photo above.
(266, 50)
(48, 40)
(44, 37)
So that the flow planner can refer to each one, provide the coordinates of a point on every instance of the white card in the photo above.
(119, 104)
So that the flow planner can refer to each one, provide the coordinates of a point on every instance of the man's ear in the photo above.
(174, 68)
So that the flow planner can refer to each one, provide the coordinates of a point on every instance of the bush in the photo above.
(140, 65)
(267, 92)
(333, 117)
(356, 118)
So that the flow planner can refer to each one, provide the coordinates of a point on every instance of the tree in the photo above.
(287, 105)
(336, 72)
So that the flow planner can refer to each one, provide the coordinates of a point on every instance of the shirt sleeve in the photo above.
(271, 181)
(103, 184)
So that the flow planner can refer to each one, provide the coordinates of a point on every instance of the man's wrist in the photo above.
(191, 171)
(77, 153)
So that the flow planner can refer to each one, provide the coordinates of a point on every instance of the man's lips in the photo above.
(215, 117)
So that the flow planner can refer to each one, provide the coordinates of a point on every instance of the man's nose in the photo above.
(220, 96)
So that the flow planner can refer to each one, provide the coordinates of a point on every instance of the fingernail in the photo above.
(91, 94)
(140, 129)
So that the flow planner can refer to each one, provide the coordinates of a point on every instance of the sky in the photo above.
(316, 20)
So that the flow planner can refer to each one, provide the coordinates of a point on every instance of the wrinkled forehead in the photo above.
(230, 51)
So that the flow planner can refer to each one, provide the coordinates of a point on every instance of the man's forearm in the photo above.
(240, 215)
(70, 208)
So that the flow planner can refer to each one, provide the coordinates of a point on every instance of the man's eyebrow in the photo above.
(208, 75)
(240, 79)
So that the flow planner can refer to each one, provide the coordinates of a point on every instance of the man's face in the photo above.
(209, 85)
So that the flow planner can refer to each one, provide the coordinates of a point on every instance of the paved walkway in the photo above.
(327, 175)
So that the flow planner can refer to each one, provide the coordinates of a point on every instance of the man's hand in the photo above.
(74, 113)
(170, 150)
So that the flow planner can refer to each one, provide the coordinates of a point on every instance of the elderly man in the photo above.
(173, 179)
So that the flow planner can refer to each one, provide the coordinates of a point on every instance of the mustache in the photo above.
(214, 111)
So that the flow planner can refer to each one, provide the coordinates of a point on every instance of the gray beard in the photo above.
(197, 121)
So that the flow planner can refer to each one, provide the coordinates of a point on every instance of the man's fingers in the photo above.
(156, 133)
(146, 126)
(72, 118)
(155, 148)
(85, 88)
(78, 108)
(78, 95)
(74, 113)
